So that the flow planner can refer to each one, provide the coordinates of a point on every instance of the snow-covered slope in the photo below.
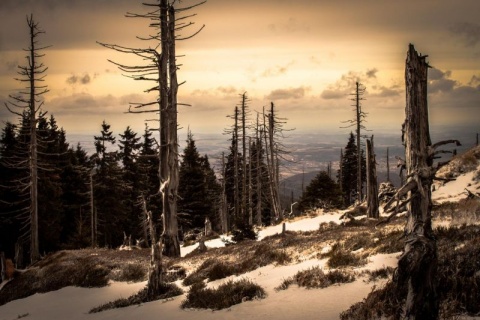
(294, 303)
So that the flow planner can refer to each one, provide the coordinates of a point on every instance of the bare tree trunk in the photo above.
(34, 246)
(236, 196)
(3, 267)
(170, 183)
(372, 185)
(155, 272)
(388, 166)
(272, 164)
(223, 205)
(250, 211)
(243, 210)
(340, 172)
(259, 173)
(359, 147)
(418, 264)
(93, 216)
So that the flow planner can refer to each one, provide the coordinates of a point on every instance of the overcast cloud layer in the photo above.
(305, 56)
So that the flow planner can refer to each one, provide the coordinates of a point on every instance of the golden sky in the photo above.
(303, 55)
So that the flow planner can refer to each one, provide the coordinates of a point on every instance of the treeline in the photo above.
(93, 200)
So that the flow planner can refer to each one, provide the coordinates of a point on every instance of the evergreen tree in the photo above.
(9, 199)
(75, 184)
(232, 190)
(109, 190)
(129, 146)
(349, 171)
(322, 192)
(198, 189)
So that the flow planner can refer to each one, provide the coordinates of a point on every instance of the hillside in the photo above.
(358, 255)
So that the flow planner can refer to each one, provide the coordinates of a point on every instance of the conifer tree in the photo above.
(349, 171)
(322, 192)
(108, 189)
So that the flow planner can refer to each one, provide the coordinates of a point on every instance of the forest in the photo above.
(138, 192)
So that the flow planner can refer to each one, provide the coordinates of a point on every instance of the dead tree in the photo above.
(29, 102)
(275, 151)
(244, 114)
(357, 122)
(223, 201)
(388, 166)
(372, 185)
(161, 68)
(3, 267)
(258, 169)
(417, 266)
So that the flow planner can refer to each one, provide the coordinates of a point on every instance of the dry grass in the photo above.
(457, 277)
(316, 278)
(168, 290)
(226, 295)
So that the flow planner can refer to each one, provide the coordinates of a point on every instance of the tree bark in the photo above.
(155, 272)
(223, 205)
(417, 266)
(3, 267)
(372, 185)
(168, 130)
(359, 147)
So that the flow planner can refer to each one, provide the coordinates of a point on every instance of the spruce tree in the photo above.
(197, 188)
(322, 192)
(108, 190)
(349, 170)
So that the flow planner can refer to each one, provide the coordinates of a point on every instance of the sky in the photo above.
(304, 56)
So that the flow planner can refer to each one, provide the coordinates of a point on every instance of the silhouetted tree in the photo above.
(27, 105)
(322, 192)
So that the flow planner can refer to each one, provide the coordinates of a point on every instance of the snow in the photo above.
(455, 190)
(293, 303)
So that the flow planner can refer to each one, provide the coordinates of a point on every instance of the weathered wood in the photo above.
(155, 279)
(372, 185)
(3, 267)
(168, 131)
(417, 266)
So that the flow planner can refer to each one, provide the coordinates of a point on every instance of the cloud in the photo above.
(387, 92)
(290, 93)
(372, 73)
(474, 81)
(75, 79)
(277, 70)
(222, 92)
(470, 33)
(346, 84)
(439, 81)
(289, 26)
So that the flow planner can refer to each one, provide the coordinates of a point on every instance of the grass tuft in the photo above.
(315, 277)
(168, 290)
(226, 295)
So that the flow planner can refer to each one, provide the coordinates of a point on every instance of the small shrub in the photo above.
(226, 295)
(175, 273)
(210, 269)
(243, 233)
(339, 258)
(286, 283)
(220, 270)
(131, 273)
(168, 290)
(361, 240)
(383, 273)
(316, 278)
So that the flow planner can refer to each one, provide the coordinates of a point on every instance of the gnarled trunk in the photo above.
(418, 264)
